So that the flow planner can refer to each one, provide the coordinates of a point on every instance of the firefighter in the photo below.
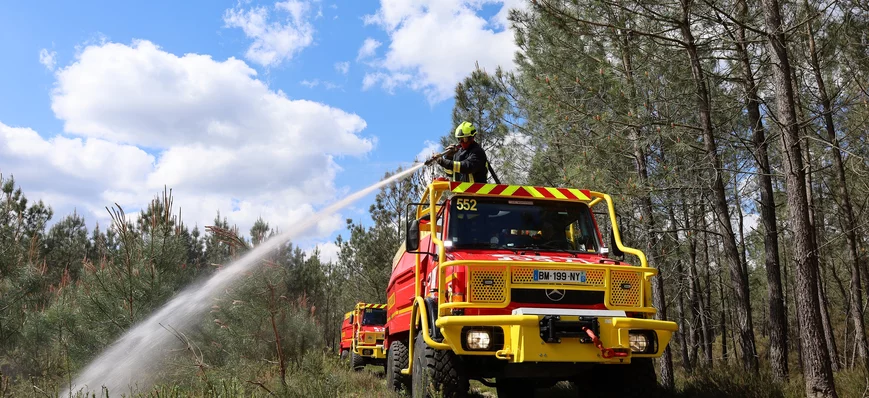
(467, 161)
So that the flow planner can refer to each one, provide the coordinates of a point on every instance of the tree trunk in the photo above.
(850, 225)
(820, 237)
(648, 221)
(778, 332)
(706, 304)
(680, 334)
(829, 337)
(828, 327)
(739, 279)
(693, 296)
(723, 324)
(816, 360)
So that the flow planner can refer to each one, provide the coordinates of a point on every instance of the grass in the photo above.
(323, 375)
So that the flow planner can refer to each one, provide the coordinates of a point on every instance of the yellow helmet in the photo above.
(466, 129)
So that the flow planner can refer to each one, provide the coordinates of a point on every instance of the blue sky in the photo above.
(80, 78)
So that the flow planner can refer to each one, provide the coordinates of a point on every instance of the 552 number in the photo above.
(466, 204)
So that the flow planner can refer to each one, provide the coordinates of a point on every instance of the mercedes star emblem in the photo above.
(555, 294)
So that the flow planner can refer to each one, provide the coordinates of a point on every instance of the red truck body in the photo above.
(518, 284)
(362, 335)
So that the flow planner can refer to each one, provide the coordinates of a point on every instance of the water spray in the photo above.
(127, 360)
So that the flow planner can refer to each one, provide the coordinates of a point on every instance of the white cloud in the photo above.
(369, 47)
(273, 42)
(48, 59)
(76, 161)
(316, 82)
(750, 222)
(328, 251)
(387, 81)
(137, 118)
(430, 149)
(144, 96)
(438, 42)
(342, 67)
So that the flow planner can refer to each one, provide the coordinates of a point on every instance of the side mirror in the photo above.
(411, 238)
(614, 248)
(351, 319)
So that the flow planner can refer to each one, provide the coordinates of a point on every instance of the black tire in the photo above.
(437, 373)
(344, 355)
(510, 388)
(357, 362)
(396, 360)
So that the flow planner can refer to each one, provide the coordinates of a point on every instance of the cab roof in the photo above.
(522, 191)
(366, 305)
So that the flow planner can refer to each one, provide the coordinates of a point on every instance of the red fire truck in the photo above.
(362, 335)
(516, 284)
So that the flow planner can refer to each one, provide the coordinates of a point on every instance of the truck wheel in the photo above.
(508, 388)
(357, 362)
(396, 360)
(437, 373)
(344, 355)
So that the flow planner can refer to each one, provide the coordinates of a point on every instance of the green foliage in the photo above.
(730, 381)
(599, 90)
(66, 247)
(65, 300)
(482, 100)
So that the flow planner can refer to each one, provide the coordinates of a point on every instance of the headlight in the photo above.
(642, 342)
(639, 342)
(479, 339)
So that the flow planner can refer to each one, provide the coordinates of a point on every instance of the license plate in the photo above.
(560, 276)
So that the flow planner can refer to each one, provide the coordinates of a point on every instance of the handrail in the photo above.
(419, 305)
(616, 233)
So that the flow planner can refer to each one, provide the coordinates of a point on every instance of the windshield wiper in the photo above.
(537, 248)
(476, 245)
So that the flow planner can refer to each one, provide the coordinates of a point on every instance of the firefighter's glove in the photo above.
(445, 163)
(451, 151)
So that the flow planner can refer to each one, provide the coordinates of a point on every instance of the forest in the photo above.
(731, 134)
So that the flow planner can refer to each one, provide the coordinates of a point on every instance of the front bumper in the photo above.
(371, 351)
(523, 342)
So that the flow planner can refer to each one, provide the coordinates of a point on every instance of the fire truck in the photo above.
(514, 286)
(362, 333)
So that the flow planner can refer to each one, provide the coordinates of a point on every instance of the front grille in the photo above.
(539, 296)
(625, 288)
(487, 284)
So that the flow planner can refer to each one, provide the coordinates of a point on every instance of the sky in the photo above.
(250, 108)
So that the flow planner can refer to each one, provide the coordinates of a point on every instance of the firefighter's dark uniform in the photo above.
(467, 165)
